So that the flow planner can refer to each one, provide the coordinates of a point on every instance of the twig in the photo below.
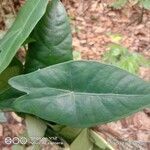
(2, 12)
(141, 16)
(12, 7)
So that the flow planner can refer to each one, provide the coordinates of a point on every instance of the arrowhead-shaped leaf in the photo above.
(53, 39)
(26, 20)
(81, 93)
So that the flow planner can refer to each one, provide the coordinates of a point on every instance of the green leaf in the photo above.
(145, 4)
(2, 117)
(132, 62)
(27, 18)
(23, 147)
(68, 133)
(82, 141)
(81, 93)
(35, 127)
(99, 141)
(7, 97)
(28, 40)
(96, 148)
(15, 68)
(115, 53)
(18, 147)
(55, 138)
(116, 49)
(128, 63)
(53, 39)
(76, 55)
(119, 4)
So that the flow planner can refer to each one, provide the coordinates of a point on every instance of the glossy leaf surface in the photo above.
(53, 39)
(26, 20)
(81, 93)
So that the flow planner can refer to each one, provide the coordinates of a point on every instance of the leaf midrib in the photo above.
(19, 33)
(25, 23)
(83, 93)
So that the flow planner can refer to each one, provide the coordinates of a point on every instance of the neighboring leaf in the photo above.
(7, 97)
(81, 93)
(121, 57)
(76, 55)
(114, 53)
(28, 41)
(145, 4)
(68, 133)
(119, 4)
(27, 18)
(117, 49)
(96, 148)
(140, 60)
(15, 68)
(35, 127)
(2, 117)
(18, 147)
(25, 140)
(53, 39)
(99, 141)
(23, 147)
(132, 62)
(82, 141)
(55, 138)
(128, 63)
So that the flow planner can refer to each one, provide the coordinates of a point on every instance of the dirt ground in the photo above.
(91, 21)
